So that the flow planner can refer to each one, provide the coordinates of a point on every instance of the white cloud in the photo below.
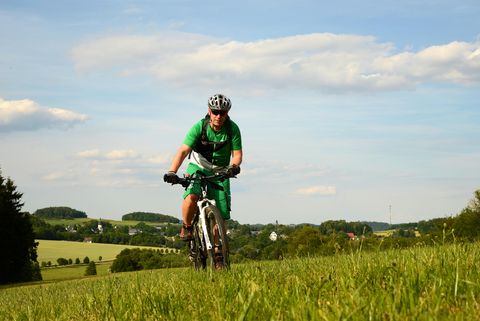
(159, 159)
(122, 154)
(116, 154)
(122, 169)
(116, 168)
(324, 61)
(317, 190)
(69, 176)
(91, 153)
(25, 114)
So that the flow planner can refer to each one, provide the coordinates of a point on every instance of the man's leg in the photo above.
(189, 207)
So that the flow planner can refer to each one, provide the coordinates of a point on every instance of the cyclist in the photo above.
(213, 144)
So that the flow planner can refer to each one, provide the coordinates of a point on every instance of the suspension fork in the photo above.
(202, 206)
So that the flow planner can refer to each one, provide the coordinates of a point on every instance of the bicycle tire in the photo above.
(215, 218)
(198, 255)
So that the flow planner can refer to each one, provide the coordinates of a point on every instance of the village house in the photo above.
(351, 236)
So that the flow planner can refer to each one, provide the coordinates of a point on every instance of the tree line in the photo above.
(61, 212)
(331, 237)
(64, 212)
(149, 217)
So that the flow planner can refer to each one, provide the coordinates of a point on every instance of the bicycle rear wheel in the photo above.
(219, 239)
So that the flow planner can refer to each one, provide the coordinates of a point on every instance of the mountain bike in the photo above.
(209, 231)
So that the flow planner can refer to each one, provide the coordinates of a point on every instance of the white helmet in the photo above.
(219, 102)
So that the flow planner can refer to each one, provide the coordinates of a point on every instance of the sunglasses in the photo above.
(219, 112)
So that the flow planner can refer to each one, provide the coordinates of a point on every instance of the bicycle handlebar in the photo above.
(185, 181)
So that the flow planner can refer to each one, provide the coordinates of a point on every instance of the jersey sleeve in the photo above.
(236, 137)
(193, 134)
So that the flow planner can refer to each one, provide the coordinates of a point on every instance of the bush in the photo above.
(144, 259)
(91, 269)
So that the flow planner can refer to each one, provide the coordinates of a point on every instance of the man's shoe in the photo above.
(219, 261)
(186, 234)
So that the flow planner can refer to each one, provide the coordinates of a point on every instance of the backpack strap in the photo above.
(205, 147)
(206, 123)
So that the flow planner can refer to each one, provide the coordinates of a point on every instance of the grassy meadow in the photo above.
(426, 283)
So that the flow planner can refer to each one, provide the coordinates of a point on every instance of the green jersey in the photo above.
(220, 157)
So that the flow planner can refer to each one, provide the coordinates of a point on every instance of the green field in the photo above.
(52, 250)
(384, 233)
(424, 283)
(73, 271)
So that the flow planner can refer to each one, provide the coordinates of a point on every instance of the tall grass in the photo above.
(430, 283)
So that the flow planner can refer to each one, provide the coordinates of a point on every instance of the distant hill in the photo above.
(59, 212)
(382, 226)
(405, 226)
(378, 226)
(149, 217)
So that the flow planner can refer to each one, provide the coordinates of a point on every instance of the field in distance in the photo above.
(52, 250)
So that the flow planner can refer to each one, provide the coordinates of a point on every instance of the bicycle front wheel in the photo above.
(198, 255)
(218, 234)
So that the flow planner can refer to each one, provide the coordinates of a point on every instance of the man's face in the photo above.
(217, 117)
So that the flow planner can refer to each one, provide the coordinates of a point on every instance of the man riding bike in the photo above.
(213, 144)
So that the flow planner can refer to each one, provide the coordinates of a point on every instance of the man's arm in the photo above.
(182, 152)
(237, 156)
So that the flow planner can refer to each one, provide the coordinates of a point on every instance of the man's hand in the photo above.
(171, 177)
(233, 170)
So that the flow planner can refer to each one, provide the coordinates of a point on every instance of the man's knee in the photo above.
(191, 198)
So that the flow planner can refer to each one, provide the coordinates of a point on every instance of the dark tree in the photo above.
(59, 212)
(91, 269)
(18, 251)
(466, 224)
(149, 217)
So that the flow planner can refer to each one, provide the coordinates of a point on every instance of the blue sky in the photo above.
(345, 107)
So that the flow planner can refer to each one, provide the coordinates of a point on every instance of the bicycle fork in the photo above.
(202, 205)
